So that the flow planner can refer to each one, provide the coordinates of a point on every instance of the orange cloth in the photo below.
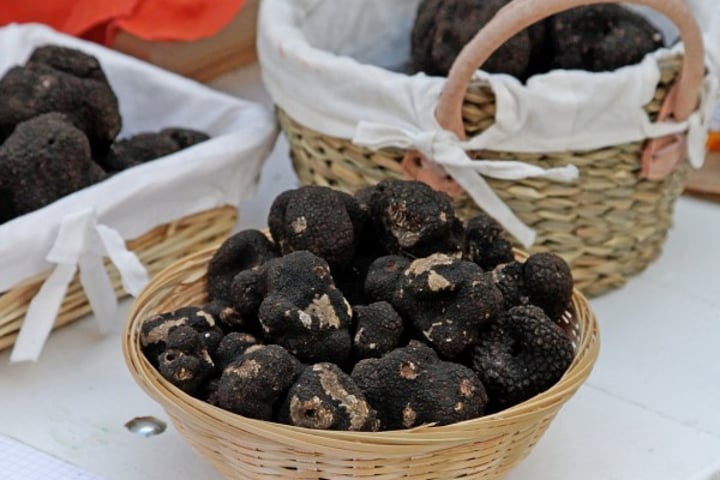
(100, 20)
(713, 143)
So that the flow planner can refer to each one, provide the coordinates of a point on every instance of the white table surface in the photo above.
(649, 410)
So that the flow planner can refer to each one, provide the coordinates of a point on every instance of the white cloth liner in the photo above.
(329, 64)
(81, 228)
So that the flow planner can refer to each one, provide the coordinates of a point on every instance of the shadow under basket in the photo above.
(608, 225)
(242, 448)
(156, 249)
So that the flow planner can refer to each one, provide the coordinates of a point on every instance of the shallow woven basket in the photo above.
(241, 448)
(156, 249)
(608, 225)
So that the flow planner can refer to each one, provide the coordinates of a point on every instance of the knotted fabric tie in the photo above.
(81, 242)
(444, 148)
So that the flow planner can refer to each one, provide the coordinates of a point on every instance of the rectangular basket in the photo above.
(162, 210)
(156, 249)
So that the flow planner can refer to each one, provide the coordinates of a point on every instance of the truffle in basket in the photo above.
(601, 38)
(45, 158)
(447, 326)
(59, 119)
(593, 38)
(60, 79)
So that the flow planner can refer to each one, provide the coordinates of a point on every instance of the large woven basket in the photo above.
(156, 249)
(608, 225)
(242, 449)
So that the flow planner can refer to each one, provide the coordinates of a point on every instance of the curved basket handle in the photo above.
(519, 14)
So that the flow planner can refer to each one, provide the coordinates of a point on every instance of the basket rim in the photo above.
(174, 401)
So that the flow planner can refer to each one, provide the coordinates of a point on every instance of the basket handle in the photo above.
(519, 14)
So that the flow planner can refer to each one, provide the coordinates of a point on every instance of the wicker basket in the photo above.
(156, 249)
(608, 225)
(142, 218)
(242, 448)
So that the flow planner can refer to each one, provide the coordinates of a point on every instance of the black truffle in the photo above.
(73, 86)
(410, 386)
(226, 315)
(326, 398)
(232, 346)
(601, 38)
(185, 371)
(548, 283)
(69, 60)
(321, 220)
(522, 354)
(186, 362)
(443, 27)
(254, 382)
(447, 300)
(378, 330)
(509, 278)
(412, 219)
(383, 278)
(45, 158)
(242, 251)
(155, 330)
(304, 311)
(485, 243)
(147, 146)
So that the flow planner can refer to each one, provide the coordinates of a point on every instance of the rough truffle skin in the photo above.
(378, 330)
(383, 278)
(156, 329)
(548, 283)
(485, 243)
(413, 220)
(411, 386)
(447, 300)
(242, 251)
(509, 278)
(443, 27)
(69, 60)
(45, 159)
(318, 219)
(304, 311)
(147, 146)
(601, 38)
(186, 363)
(522, 354)
(225, 314)
(36, 88)
(255, 381)
(185, 371)
(326, 398)
(232, 346)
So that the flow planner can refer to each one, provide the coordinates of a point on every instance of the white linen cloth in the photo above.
(336, 66)
(81, 228)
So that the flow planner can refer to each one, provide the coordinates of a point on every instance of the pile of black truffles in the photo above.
(59, 120)
(593, 38)
(377, 311)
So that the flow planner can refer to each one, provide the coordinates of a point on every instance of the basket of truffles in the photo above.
(110, 169)
(567, 121)
(374, 336)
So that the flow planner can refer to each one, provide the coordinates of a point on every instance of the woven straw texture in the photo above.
(156, 249)
(241, 448)
(608, 225)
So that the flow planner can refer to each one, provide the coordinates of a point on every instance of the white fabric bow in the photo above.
(81, 242)
(444, 148)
